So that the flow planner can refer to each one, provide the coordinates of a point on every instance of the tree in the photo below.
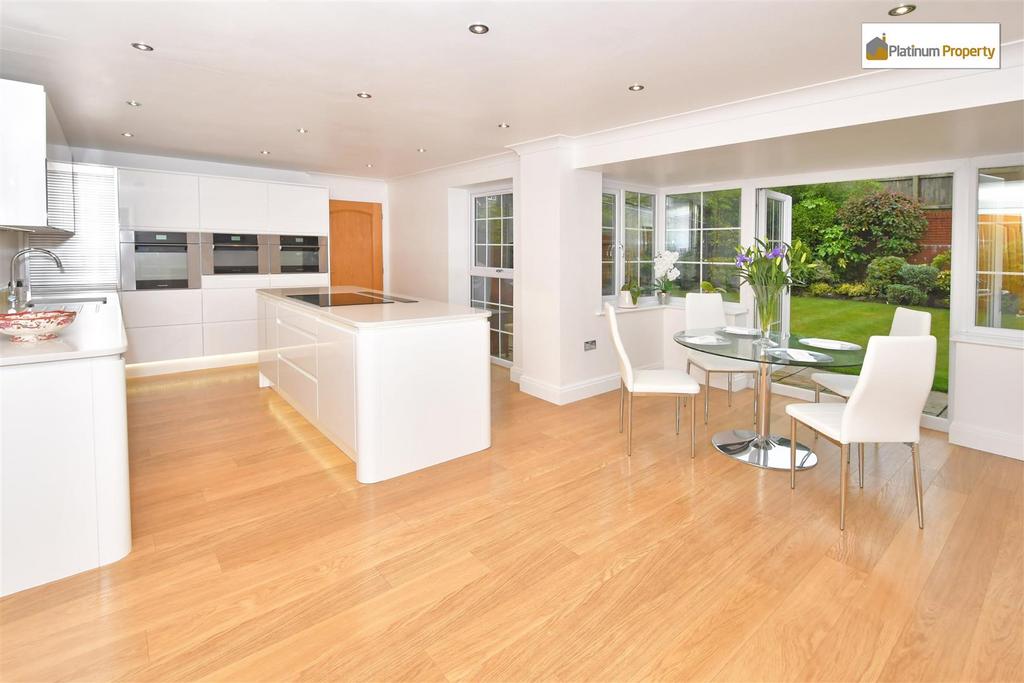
(883, 223)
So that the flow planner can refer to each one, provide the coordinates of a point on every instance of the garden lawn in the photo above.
(855, 321)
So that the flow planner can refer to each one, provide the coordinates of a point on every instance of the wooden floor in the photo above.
(257, 556)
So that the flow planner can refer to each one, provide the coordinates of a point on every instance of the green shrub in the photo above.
(942, 283)
(883, 272)
(885, 223)
(1009, 303)
(811, 216)
(943, 260)
(853, 290)
(820, 289)
(838, 247)
(905, 295)
(709, 288)
(920, 276)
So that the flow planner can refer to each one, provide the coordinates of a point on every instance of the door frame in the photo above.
(764, 196)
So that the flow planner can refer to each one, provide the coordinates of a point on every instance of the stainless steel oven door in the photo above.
(298, 254)
(159, 260)
(235, 254)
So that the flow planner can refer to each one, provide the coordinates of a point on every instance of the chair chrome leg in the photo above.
(730, 389)
(678, 400)
(707, 394)
(817, 399)
(629, 427)
(622, 402)
(915, 451)
(792, 452)
(693, 428)
(860, 465)
(844, 476)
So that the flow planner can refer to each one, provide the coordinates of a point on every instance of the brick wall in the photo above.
(937, 237)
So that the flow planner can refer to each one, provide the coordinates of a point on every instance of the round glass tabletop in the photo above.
(741, 345)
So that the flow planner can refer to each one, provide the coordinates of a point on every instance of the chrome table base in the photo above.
(770, 453)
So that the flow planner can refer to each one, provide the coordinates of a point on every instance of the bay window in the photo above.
(704, 227)
(1000, 234)
(628, 239)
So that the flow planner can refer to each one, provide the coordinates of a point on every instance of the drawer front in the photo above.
(299, 387)
(159, 309)
(226, 305)
(297, 347)
(229, 337)
(147, 344)
(297, 319)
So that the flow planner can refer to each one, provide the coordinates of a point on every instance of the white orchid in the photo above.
(665, 271)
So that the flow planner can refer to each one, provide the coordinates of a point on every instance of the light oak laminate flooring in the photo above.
(550, 556)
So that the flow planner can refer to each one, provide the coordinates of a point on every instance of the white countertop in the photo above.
(97, 331)
(396, 314)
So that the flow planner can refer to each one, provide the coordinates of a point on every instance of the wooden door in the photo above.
(356, 254)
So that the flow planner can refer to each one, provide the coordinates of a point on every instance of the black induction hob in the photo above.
(349, 299)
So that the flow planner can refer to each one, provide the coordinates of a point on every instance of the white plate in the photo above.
(799, 356)
(742, 331)
(706, 340)
(831, 344)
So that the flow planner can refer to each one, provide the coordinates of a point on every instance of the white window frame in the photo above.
(485, 271)
(619, 189)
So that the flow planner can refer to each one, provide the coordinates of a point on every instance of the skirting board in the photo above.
(1006, 444)
(165, 367)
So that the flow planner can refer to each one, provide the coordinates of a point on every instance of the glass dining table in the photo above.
(759, 447)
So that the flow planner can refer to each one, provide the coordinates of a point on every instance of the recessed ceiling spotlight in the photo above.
(900, 10)
(479, 29)
(264, 152)
(133, 103)
(126, 134)
(369, 166)
(363, 95)
(143, 47)
(421, 149)
(636, 87)
(303, 131)
(503, 125)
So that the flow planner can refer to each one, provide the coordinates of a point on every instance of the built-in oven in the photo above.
(227, 253)
(298, 254)
(159, 260)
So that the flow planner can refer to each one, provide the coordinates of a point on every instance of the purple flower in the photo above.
(776, 252)
(743, 259)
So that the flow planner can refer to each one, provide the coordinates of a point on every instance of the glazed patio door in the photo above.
(775, 226)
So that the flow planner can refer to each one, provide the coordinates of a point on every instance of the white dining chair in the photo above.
(666, 381)
(906, 322)
(706, 311)
(884, 407)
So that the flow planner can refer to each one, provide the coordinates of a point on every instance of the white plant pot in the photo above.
(626, 300)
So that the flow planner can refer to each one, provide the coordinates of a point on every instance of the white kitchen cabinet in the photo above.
(288, 280)
(169, 342)
(22, 154)
(229, 204)
(230, 337)
(267, 340)
(299, 387)
(152, 308)
(297, 210)
(152, 199)
(227, 305)
(297, 346)
(236, 281)
(336, 398)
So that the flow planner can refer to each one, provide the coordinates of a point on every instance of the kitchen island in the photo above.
(398, 383)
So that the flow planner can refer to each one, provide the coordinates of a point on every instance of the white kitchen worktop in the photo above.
(377, 315)
(97, 331)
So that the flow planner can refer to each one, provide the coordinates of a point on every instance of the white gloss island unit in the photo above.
(65, 504)
(397, 386)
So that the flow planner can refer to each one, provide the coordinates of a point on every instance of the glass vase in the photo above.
(768, 304)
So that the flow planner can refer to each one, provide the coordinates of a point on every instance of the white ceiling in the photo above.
(994, 129)
(230, 78)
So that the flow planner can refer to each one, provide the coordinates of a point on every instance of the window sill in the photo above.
(731, 307)
(1007, 339)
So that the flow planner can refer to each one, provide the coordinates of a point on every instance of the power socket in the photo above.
(590, 345)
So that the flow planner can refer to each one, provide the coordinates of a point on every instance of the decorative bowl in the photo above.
(33, 326)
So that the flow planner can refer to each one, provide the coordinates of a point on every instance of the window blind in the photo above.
(83, 198)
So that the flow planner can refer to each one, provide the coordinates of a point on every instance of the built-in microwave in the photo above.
(298, 254)
(159, 260)
(226, 253)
